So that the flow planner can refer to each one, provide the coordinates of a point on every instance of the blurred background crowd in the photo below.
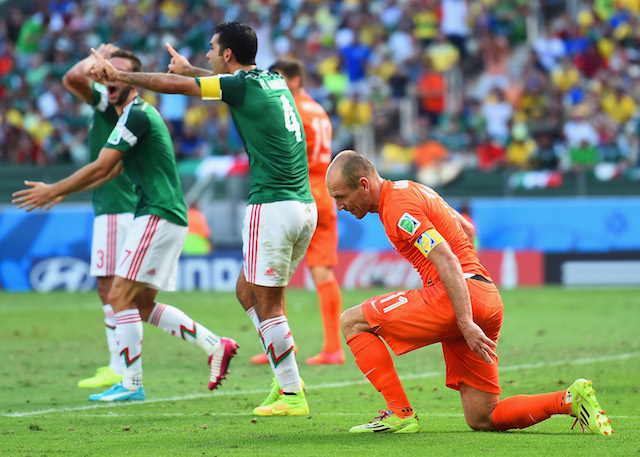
(426, 88)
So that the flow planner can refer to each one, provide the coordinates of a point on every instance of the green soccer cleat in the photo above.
(276, 391)
(105, 376)
(388, 422)
(586, 409)
(294, 404)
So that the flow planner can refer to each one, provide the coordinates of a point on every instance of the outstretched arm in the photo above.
(157, 82)
(454, 283)
(39, 194)
(78, 79)
(181, 66)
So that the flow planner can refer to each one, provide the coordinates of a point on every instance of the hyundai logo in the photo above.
(61, 273)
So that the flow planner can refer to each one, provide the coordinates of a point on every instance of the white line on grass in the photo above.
(428, 374)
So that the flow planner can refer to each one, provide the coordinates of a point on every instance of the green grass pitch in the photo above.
(550, 336)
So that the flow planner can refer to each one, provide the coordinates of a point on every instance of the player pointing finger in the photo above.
(179, 64)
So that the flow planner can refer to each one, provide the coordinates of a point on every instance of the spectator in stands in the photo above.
(565, 75)
(618, 105)
(198, 240)
(455, 23)
(549, 49)
(355, 57)
(498, 113)
(546, 155)
(581, 140)
(434, 166)
(432, 92)
(495, 50)
(521, 148)
(426, 20)
(589, 61)
(443, 54)
(490, 154)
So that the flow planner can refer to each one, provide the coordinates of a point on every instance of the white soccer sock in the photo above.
(279, 348)
(129, 340)
(256, 323)
(115, 363)
(175, 322)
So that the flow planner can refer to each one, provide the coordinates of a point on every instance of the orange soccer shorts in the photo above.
(323, 249)
(411, 319)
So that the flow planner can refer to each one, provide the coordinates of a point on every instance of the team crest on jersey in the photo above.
(115, 136)
(408, 223)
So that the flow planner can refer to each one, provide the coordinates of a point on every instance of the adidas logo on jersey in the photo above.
(269, 272)
(152, 271)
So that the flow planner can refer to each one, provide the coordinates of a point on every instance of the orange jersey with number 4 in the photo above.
(416, 219)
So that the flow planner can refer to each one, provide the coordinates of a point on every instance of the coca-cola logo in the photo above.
(61, 273)
(386, 269)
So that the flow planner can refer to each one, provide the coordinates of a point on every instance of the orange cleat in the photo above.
(327, 358)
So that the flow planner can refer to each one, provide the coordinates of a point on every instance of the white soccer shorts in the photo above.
(275, 238)
(151, 252)
(109, 233)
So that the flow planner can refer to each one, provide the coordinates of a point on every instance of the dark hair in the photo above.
(290, 68)
(354, 167)
(240, 38)
(136, 65)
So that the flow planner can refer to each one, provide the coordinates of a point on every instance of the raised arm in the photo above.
(158, 82)
(78, 79)
(450, 273)
(181, 66)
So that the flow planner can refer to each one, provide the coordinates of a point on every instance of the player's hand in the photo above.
(36, 196)
(179, 63)
(103, 70)
(55, 201)
(106, 49)
(479, 343)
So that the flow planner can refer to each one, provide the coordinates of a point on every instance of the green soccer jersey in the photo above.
(150, 161)
(118, 195)
(266, 118)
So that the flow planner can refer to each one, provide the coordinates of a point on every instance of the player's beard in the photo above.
(123, 95)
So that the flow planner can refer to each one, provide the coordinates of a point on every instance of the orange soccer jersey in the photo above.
(416, 219)
(322, 250)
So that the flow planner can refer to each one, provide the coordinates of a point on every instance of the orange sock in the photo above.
(523, 411)
(374, 360)
(330, 300)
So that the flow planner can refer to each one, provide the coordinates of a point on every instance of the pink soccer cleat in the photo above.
(219, 361)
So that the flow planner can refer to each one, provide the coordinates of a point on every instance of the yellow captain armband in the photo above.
(210, 88)
(428, 240)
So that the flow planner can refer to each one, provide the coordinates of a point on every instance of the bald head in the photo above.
(354, 183)
(349, 166)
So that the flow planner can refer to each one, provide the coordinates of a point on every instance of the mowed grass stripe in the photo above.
(524, 366)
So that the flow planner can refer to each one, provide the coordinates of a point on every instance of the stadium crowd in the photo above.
(435, 85)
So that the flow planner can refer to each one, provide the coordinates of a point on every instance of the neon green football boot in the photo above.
(287, 404)
(388, 422)
(586, 409)
(105, 376)
(276, 391)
